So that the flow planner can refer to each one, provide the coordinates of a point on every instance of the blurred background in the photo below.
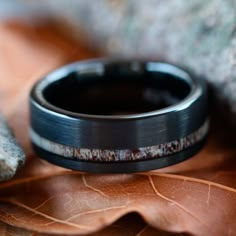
(36, 36)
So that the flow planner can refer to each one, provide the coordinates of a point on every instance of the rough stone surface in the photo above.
(11, 155)
(198, 34)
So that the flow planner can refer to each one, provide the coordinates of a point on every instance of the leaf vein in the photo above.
(172, 201)
(42, 214)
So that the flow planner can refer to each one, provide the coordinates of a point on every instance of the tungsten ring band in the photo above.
(118, 116)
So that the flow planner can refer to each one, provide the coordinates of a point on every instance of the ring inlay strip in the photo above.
(106, 155)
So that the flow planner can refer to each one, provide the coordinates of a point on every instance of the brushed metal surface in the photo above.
(119, 131)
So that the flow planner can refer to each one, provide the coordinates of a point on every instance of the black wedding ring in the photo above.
(113, 116)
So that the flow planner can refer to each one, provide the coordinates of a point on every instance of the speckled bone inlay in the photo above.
(143, 153)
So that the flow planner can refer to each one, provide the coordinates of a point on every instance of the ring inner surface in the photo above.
(116, 93)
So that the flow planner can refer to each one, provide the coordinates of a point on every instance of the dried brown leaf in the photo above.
(73, 203)
(196, 197)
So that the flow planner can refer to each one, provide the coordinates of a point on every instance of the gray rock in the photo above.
(198, 34)
(11, 155)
